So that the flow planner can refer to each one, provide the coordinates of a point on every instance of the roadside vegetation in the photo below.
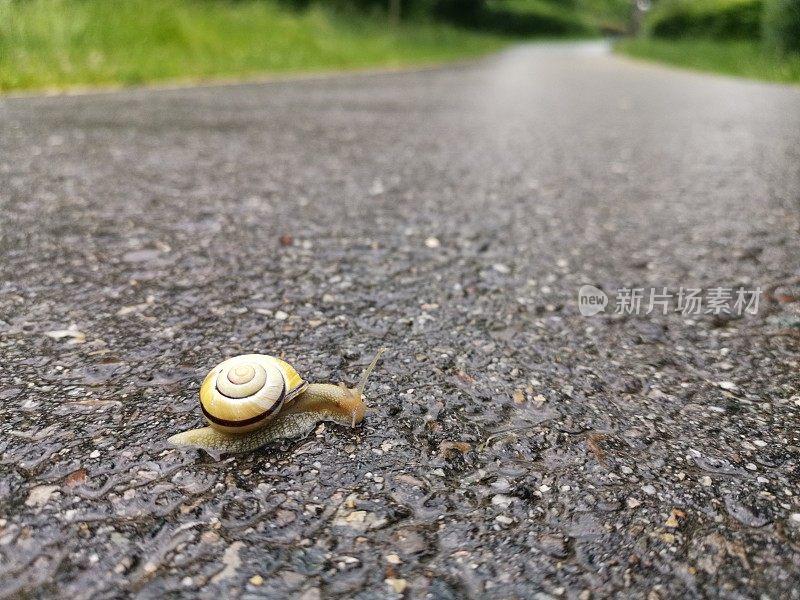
(68, 43)
(570, 17)
(741, 58)
(750, 38)
(76, 43)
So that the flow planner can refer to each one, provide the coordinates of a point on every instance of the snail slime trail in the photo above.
(253, 399)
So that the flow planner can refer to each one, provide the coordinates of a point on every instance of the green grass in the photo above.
(74, 43)
(743, 58)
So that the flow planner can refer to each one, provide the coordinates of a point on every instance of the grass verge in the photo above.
(743, 58)
(59, 44)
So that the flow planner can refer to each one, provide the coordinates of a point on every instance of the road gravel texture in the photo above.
(514, 448)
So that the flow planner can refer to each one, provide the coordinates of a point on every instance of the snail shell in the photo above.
(243, 392)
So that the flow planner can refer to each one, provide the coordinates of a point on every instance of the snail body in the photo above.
(253, 399)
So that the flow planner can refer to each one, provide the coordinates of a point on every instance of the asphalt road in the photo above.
(515, 449)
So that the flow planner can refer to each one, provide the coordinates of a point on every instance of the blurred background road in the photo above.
(516, 448)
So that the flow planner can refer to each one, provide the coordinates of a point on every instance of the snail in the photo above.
(253, 399)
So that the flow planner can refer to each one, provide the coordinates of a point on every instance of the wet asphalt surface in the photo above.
(515, 448)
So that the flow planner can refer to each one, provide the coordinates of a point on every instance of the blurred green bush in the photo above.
(505, 17)
(781, 27)
(716, 19)
(409, 8)
(516, 17)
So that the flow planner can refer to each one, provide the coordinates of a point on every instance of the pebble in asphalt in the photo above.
(515, 448)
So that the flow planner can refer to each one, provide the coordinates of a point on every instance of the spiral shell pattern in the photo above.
(245, 392)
